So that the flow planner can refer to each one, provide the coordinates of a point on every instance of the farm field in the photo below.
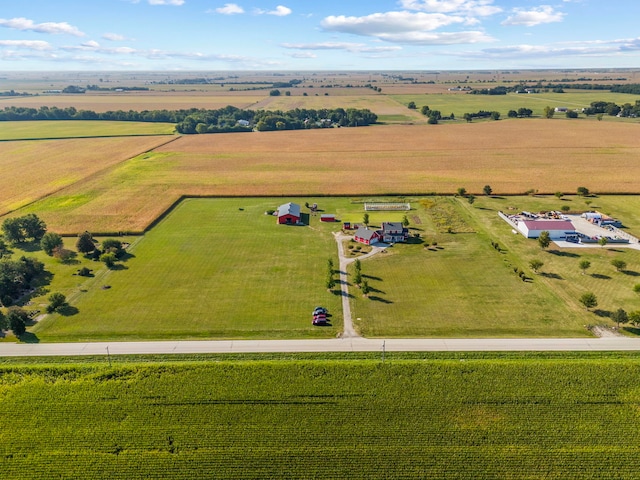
(220, 268)
(513, 156)
(504, 417)
(461, 103)
(35, 130)
(32, 170)
(211, 269)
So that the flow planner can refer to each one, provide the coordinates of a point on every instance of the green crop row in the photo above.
(439, 418)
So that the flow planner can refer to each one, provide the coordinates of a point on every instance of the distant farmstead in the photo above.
(289, 214)
(558, 229)
(391, 232)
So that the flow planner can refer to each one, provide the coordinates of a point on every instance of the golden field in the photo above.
(513, 156)
(31, 170)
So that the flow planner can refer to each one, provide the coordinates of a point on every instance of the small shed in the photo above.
(327, 217)
(366, 236)
(289, 214)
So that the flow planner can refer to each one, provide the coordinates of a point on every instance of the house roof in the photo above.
(289, 209)
(564, 225)
(366, 233)
(392, 226)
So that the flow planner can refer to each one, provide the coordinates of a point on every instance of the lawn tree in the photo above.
(330, 266)
(487, 190)
(462, 192)
(412, 106)
(582, 191)
(636, 288)
(584, 265)
(565, 208)
(85, 243)
(12, 230)
(559, 195)
(619, 316)
(548, 112)
(50, 241)
(365, 219)
(544, 240)
(405, 221)
(357, 275)
(56, 301)
(471, 199)
(634, 318)
(17, 319)
(536, 264)
(603, 241)
(330, 283)
(619, 265)
(109, 259)
(589, 300)
(33, 226)
(111, 245)
(366, 289)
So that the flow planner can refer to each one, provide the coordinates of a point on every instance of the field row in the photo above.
(317, 419)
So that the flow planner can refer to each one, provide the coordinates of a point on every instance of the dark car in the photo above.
(320, 321)
(319, 310)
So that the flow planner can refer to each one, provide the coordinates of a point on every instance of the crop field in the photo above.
(140, 101)
(214, 269)
(513, 156)
(494, 418)
(31, 170)
(34, 130)
(461, 103)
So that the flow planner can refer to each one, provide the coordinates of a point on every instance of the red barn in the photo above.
(327, 217)
(289, 214)
(366, 236)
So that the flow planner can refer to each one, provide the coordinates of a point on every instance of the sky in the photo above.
(210, 35)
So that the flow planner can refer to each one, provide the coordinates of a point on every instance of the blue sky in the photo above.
(179, 35)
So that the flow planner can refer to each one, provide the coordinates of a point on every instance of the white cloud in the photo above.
(406, 27)
(387, 23)
(230, 9)
(303, 55)
(348, 46)
(114, 37)
(25, 24)
(166, 2)
(280, 11)
(482, 8)
(533, 17)
(26, 44)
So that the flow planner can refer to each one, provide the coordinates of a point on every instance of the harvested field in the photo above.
(50, 129)
(33, 169)
(140, 101)
(513, 156)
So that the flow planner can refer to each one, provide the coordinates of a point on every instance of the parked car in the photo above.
(320, 321)
(318, 310)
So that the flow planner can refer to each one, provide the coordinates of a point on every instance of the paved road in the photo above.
(331, 345)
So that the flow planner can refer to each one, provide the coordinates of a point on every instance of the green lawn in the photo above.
(506, 417)
(220, 268)
(459, 104)
(40, 129)
(217, 268)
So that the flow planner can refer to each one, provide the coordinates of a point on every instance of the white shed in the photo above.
(558, 229)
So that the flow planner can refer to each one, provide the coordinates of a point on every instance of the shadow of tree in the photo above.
(559, 253)
(375, 298)
(29, 337)
(601, 313)
(601, 276)
(68, 311)
(555, 276)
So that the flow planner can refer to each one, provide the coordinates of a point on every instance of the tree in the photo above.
(544, 240)
(330, 282)
(33, 227)
(634, 317)
(274, 93)
(582, 191)
(330, 265)
(85, 243)
(636, 288)
(548, 112)
(536, 264)
(4, 249)
(56, 301)
(405, 221)
(619, 264)
(571, 114)
(50, 241)
(512, 114)
(462, 192)
(584, 265)
(412, 105)
(487, 190)
(619, 316)
(17, 319)
(495, 115)
(589, 300)
(4, 323)
(559, 195)
(111, 245)
(432, 120)
(602, 241)
(471, 199)
(468, 117)
(12, 230)
(109, 259)
(365, 219)
(366, 289)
